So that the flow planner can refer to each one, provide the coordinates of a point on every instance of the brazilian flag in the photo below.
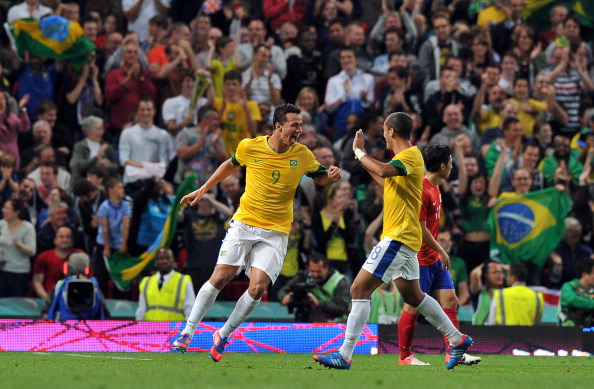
(52, 37)
(528, 227)
(123, 268)
(536, 12)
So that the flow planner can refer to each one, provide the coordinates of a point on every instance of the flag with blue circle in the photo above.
(528, 227)
(52, 37)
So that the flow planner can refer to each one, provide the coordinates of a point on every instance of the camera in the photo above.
(300, 301)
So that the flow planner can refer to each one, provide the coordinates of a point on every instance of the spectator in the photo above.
(349, 92)
(36, 79)
(260, 83)
(116, 59)
(516, 305)
(223, 57)
(86, 205)
(484, 279)
(48, 175)
(568, 253)
(326, 299)
(114, 226)
(41, 150)
(48, 268)
(501, 33)
(61, 136)
(152, 208)
(528, 160)
(82, 95)
(399, 98)
(452, 118)
(487, 115)
(55, 195)
(143, 142)
(57, 217)
(11, 126)
(561, 158)
(309, 102)
(569, 79)
(354, 39)
(201, 148)
(386, 305)
(32, 203)
(433, 52)
(304, 69)
(576, 303)
(166, 295)
(457, 267)
(239, 116)
(231, 191)
(336, 226)
(531, 59)
(17, 244)
(509, 64)
(257, 31)
(93, 151)
(509, 147)
(204, 229)
(279, 12)
(9, 180)
(557, 15)
(125, 87)
(529, 107)
(59, 306)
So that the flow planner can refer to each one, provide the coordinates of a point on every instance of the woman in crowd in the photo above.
(308, 101)
(11, 125)
(335, 226)
(17, 244)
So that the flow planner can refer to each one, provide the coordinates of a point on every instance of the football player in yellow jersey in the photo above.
(258, 234)
(395, 256)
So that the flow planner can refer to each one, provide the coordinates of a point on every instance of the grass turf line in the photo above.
(239, 370)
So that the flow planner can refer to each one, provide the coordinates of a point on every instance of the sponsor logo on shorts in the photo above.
(222, 253)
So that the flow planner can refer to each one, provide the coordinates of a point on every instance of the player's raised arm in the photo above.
(378, 170)
(222, 172)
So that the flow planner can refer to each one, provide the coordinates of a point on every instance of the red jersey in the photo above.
(430, 213)
(51, 266)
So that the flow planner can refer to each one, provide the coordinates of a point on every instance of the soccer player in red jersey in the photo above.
(434, 262)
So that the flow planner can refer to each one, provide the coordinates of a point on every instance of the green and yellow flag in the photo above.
(123, 268)
(528, 227)
(537, 12)
(52, 37)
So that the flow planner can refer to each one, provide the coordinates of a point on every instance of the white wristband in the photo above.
(359, 153)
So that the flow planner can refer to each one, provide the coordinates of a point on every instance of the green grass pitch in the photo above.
(238, 370)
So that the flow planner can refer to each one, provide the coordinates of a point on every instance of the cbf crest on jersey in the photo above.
(528, 227)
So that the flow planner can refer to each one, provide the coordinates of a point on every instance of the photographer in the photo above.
(318, 294)
(78, 296)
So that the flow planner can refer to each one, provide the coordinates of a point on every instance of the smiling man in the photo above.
(258, 234)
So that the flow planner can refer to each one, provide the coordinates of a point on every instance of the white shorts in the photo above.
(391, 259)
(246, 246)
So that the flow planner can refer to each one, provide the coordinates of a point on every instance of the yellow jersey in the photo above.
(271, 182)
(234, 122)
(402, 199)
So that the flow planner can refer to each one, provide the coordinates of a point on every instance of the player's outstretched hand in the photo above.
(359, 141)
(334, 174)
(192, 198)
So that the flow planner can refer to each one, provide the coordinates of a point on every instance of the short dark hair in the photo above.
(83, 187)
(434, 155)
(401, 123)
(204, 112)
(280, 113)
(52, 165)
(508, 122)
(401, 71)
(318, 258)
(99, 171)
(520, 271)
(45, 106)
(232, 75)
(112, 182)
(584, 265)
(160, 21)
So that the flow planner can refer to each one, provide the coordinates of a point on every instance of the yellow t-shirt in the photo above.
(402, 199)
(336, 246)
(218, 74)
(490, 15)
(271, 182)
(234, 122)
(527, 120)
(489, 119)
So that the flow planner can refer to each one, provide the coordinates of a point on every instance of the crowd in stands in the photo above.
(78, 146)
